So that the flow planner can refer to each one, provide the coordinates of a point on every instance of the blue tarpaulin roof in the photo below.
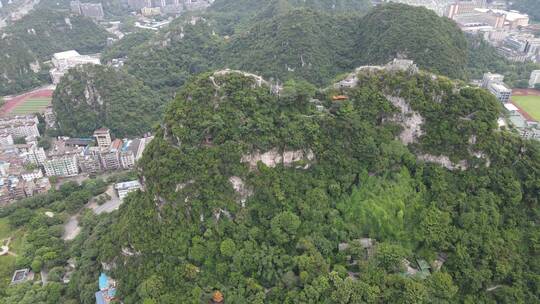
(103, 281)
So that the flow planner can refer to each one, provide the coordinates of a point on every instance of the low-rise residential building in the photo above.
(6, 139)
(124, 188)
(501, 91)
(61, 165)
(32, 175)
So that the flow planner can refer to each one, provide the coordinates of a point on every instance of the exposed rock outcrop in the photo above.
(410, 120)
(273, 158)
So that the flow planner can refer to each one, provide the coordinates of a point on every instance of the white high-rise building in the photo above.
(35, 155)
(501, 91)
(127, 187)
(61, 165)
(103, 138)
(535, 78)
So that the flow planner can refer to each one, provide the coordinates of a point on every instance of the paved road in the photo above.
(109, 206)
(44, 277)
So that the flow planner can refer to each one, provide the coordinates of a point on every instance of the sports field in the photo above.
(29, 102)
(529, 104)
(32, 105)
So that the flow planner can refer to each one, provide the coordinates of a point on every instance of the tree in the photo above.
(441, 288)
(45, 143)
(228, 248)
(19, 141)
(390, 257)
(284, 227)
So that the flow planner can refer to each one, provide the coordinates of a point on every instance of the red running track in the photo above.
(11, 102)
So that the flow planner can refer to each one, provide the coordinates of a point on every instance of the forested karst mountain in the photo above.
(93, 96)
(257, 195)
(27, 43)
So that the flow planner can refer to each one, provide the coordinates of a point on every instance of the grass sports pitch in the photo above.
(529, 104)
(32, 105)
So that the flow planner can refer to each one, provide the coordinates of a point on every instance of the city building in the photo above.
(35, 155)
(89, 162)
(79, 142)
(20, 126)
(128, 153)
(463, 7)
(50, 117)
(4, 168)
(513, 19)
(501, 91)
(61, 165)
(6, 139)
(103, 138)
(124, 188)
(490, 77)
(535, 78)
(526, 128)
(32, 175)
(110, 160)
(64, 61)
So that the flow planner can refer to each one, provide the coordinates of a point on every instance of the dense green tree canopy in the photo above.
(92, 96)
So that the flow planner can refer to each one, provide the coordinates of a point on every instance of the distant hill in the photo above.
(301, 43)
(310, 44)
(390, 31)
(29, 42)
(91, 96)
(230, 16)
